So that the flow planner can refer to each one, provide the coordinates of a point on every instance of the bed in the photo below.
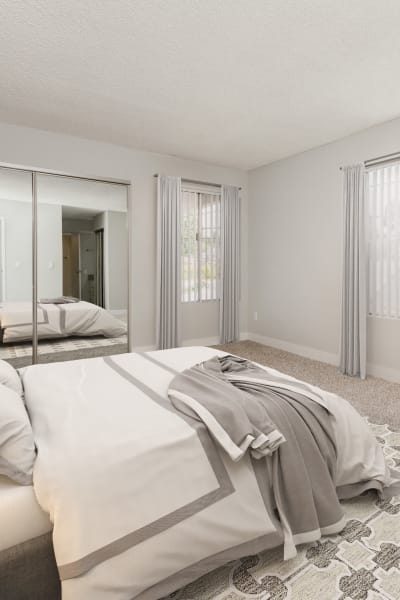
(57, 321)
(141, 498)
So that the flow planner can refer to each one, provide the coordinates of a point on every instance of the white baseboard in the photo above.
(308, 352)
(210, 341)
(383, 372)
(143, 348)
(206, 341)
(332, 359)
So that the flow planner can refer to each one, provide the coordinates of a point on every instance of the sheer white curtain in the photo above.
(354, 289)
(230, 264)
(168, 261)
(384, 241)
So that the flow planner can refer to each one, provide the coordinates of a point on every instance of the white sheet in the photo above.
(21, 518)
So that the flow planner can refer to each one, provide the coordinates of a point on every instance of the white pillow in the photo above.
(9, 377)
(17, 448)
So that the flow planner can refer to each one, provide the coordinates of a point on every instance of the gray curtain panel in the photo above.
(230, 264)
(354, 288)
(168, 261)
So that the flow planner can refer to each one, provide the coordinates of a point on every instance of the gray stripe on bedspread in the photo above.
(63, 318)
(225, 488)
(44, 322)
(158, 363)
(91, 320)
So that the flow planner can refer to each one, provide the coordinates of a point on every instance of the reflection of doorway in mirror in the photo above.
(70, 242)
(83, 262)
(88, 264)
(100, 267)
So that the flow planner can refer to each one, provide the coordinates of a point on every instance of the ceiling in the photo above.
(232, 82)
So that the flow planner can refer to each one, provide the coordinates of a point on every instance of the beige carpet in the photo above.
(373, 397)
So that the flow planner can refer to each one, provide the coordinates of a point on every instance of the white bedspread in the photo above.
(141, 500)
(57, 320)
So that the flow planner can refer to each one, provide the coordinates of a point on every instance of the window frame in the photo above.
(202, 190)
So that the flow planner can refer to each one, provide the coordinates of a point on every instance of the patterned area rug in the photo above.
(361, 563)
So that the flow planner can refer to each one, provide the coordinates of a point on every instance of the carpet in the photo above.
(360, 563)
(60, 349)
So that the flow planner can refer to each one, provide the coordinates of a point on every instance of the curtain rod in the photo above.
(198, 182)
(381, 160)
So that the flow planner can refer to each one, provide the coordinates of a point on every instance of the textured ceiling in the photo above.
(232, 82)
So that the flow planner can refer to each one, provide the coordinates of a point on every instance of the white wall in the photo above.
(295, 225)
(41, 149)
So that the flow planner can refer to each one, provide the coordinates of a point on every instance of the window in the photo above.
(384, 241)
(200, 245)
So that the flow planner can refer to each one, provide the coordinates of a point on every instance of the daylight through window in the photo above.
(200, 245)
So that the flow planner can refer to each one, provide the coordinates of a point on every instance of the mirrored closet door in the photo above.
(77, 230)
(82, 280)
(16, 266)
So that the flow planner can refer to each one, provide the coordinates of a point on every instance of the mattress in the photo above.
(21, 518)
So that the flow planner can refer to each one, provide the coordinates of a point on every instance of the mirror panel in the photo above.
(16, 266)
(82, 268)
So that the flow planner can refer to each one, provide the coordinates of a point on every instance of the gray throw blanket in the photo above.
(246, 408)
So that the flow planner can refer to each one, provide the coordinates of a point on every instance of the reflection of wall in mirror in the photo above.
(117, 261)
(17, 217)
(49, 250)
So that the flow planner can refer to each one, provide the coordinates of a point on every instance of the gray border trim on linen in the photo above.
(45, 322)
(158, 363)
(225, 488)
(83, 330)
(206, 565)
(30, 323)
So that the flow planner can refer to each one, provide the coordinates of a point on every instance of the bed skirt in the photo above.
(28, 571)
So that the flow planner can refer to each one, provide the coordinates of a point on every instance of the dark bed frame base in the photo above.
(29, 572)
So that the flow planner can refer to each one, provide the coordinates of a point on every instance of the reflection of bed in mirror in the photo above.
(57, 320)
